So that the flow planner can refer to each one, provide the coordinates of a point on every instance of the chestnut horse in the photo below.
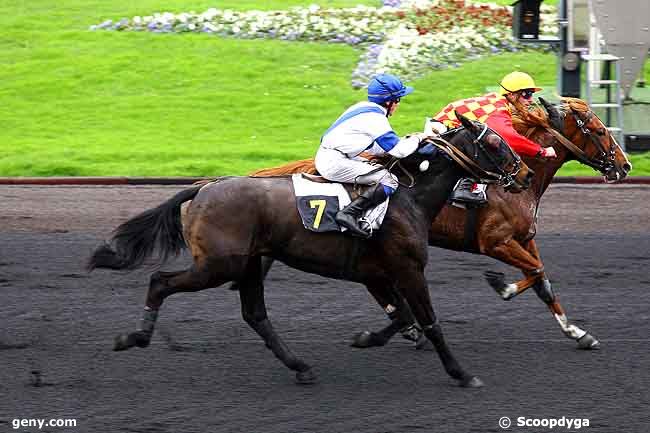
(505, 228)
(232, 222)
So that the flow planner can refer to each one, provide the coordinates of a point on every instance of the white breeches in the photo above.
(336, 166)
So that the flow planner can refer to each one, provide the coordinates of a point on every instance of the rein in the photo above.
(468, 164)
(395, 162)
(465, 162)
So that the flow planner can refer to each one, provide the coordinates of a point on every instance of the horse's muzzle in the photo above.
(617, 174)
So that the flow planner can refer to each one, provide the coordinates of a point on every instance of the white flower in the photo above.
(404, 50)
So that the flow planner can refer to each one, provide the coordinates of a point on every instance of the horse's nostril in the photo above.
(627, 167)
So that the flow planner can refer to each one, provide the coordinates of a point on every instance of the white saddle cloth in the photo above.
(304, 188)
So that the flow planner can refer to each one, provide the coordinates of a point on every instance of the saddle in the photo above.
(319, 200)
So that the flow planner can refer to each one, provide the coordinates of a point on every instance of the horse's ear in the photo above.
(554, 115)
(465, 121)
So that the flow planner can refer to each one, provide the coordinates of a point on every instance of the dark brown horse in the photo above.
(505, 228)
(233, 222)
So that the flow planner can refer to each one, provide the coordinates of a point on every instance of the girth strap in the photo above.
(470, 236)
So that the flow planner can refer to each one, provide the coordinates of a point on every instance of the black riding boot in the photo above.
(463, 194)
(348, 217)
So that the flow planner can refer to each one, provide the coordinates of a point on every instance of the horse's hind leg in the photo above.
(267, 262)
(162, 285)
(251, 292)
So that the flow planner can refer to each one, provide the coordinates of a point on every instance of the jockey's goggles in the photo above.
(527, 93)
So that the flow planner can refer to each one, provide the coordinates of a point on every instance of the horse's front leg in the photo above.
(413, 286)
(545, 292)
(398, 312)
(514, 254)
(527, 259)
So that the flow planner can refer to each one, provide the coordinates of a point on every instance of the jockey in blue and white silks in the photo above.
(365, 127)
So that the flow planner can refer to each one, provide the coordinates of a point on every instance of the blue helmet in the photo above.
(385, 88)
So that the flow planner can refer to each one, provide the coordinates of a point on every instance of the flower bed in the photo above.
(408, 37)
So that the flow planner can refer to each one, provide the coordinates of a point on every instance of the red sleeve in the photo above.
(501, 122)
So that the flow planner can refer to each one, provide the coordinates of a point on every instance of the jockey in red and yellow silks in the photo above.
(495, 110)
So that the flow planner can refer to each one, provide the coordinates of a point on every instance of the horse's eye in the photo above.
(601, 132)
(493, 141)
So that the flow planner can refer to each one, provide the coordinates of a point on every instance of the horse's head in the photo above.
(493, 159)
(593, 144)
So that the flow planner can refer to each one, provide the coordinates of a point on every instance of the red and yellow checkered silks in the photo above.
(478, 108)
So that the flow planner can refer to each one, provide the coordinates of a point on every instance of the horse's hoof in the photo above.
(365, 339)
(472, 382)
(497, 280)
(423, 343)
(127, 341)
(123, 342)
(306, 377)
(141, 339)
(588, 342)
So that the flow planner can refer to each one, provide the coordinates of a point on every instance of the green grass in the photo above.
(76, 102)
(510, 2)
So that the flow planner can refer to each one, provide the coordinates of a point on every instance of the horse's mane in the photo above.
(573, 104)
(301, 166)
(527, 121)
(305, 166)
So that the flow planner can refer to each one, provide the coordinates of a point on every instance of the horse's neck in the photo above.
(432, 191)
(545, 170)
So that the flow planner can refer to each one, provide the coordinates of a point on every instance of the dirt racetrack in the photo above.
(206, 371)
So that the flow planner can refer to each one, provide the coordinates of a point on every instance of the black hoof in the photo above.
(588, 342)
(306, 377)
(471, 382)
(366, 339)
(142, 339)
(496, 280)
(124, 341)
(424, 343)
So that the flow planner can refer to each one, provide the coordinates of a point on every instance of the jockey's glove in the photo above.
(433, 127)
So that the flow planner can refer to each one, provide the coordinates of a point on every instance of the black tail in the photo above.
(136, 239)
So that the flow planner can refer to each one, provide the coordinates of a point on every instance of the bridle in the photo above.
(604, 160)
(499, 176)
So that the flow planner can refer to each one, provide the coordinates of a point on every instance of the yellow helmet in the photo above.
(516, 81)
